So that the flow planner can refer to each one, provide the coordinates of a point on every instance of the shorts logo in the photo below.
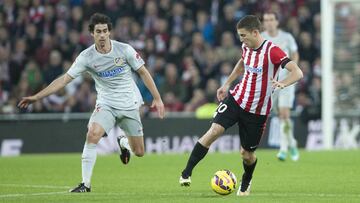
(119, 61)
(253, 147)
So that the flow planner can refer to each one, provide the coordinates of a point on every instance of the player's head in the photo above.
(248, 29)
(271, 21)
(100, 27)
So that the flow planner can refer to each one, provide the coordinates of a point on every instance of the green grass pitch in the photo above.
(326, 176)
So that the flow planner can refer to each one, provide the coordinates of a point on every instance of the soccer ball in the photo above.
(223, 182)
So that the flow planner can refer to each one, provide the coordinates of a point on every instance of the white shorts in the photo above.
(129, 121)
(286, 97)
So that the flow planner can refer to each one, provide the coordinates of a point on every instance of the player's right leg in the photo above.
(199, 152)
(224, 117)
(101, 121)
(88, 158)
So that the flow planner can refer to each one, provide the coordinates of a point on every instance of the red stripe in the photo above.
(264, 82)
(239, 101)
(276, 67)
(235, 90)
(253, 83)
(269, 106)
(242, 95)
(249, 57)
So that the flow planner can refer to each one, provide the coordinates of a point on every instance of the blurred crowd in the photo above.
(189, 46)
(347, 58)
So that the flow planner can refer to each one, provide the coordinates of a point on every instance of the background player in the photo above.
(110, 63)
(285, 99)
(249, 102)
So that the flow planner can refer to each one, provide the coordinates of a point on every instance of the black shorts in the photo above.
(251, 126)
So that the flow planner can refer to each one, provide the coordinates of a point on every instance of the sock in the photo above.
(197, 154)
(291, 139)
(248, 170)
(124, 142)
(88, 160)
(283, 136)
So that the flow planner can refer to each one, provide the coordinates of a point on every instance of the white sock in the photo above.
(283, 136)
(88, 160)
(291, 138)
(124, 142)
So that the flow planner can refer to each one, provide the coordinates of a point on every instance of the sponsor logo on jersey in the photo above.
(254, 69)
(111, 73)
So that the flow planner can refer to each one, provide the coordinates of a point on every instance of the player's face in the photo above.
(101, 34)
(270, 22)
(248, 37)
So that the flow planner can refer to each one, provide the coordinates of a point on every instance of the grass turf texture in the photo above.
(328, 176)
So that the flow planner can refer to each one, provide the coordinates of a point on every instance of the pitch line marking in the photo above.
(35, 186)
(33, 194)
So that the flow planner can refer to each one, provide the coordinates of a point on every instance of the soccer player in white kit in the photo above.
(285, 99)
(110, 63)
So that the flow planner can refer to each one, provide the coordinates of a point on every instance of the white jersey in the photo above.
(112, 73)
(286, 42)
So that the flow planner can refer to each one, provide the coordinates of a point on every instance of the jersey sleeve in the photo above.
(78, 67)
(133, 58)
(278, 57)
(292, 44)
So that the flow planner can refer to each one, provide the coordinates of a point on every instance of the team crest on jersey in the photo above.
(119, 61)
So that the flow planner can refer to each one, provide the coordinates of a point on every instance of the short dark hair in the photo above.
(99, 18)
(249, 22)
(271, 13)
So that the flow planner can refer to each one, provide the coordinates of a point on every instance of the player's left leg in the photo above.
(251, 129)
(249, 164)
(286, 100)
(130, 122)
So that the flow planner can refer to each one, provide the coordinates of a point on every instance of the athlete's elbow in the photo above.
(300, 74)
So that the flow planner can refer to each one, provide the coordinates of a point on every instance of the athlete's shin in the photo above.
(196, 156)
(88, 160)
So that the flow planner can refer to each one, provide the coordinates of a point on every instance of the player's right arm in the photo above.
(54, 86)
(76, 69)
(237, 71)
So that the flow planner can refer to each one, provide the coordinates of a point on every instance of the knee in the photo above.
(248, 157)
(139, 152)
(216, 130)
(284, 114)
(93, 135)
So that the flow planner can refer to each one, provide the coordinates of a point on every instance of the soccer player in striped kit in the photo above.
(284, 98)
(249, 103)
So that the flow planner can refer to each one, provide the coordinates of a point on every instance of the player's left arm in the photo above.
(278, 57)
(295, 74)
(294, 56)
(150, 84)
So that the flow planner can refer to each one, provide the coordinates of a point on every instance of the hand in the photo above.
(221, 93)
(277, 84)
(26, 101)
(159, 107)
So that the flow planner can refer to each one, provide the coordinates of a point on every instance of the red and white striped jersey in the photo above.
(253, 93)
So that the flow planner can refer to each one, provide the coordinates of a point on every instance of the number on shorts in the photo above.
(220, 109)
